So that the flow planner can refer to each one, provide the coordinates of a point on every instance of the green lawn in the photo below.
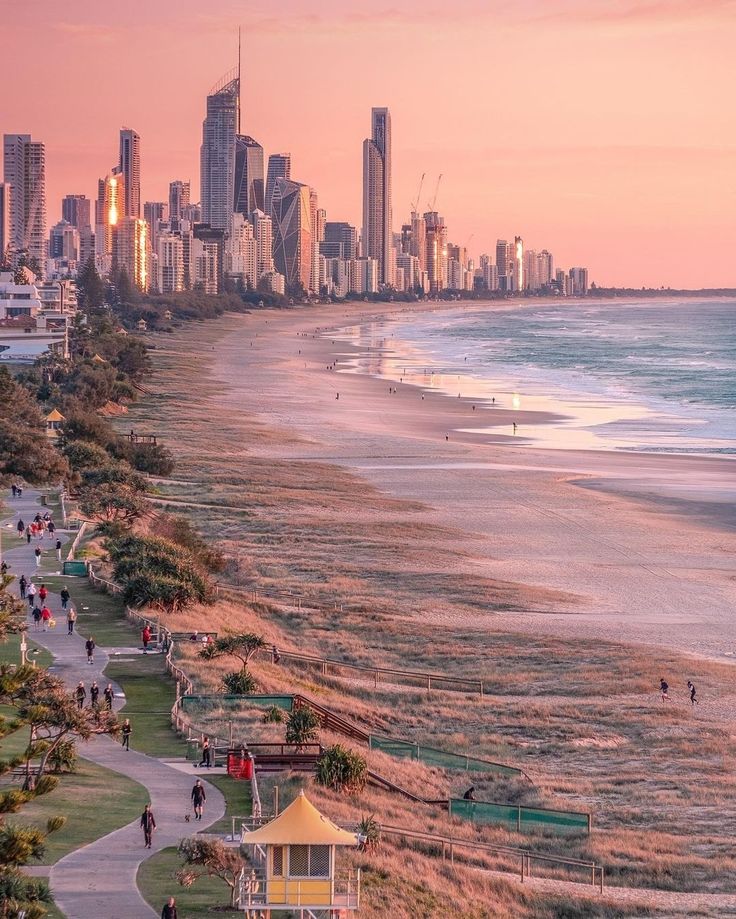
(156, 882)
(238, 801)
(10, 651)
(95, 802)
(104, 617)
(149, 693)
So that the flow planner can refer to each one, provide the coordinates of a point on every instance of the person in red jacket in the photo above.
(43, 592)
(145, 638)
(45, 616)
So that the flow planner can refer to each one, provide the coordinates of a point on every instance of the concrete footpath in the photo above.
(98, 881)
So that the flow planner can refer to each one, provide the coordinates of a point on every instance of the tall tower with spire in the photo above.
(217, 153)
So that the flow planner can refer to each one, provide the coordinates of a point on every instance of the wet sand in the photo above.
(644, 543)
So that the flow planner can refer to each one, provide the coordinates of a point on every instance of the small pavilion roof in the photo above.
(99, 360)
(298, 825)
(55, 415)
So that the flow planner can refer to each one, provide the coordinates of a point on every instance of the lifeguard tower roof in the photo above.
(300, 824)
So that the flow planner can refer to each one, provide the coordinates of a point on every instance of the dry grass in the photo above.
(583, 718)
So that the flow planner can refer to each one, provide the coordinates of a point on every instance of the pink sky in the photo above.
(604, 130)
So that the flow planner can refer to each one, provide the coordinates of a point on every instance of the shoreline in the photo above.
(637, 570)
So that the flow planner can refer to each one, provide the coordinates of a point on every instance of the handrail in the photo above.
(458, 684)
(526, 856)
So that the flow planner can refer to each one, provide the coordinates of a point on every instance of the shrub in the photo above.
(273, 715)
(240, 683)
(341, 769)
(369, 831)
(302, 726)
(63, 758)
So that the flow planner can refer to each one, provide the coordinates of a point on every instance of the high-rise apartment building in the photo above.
(579, 281)
(377, 205)
(436, 249)
(249, 190)
(518, 264)
(241, 251)
(156, 213)
(340, 240)
(170, 264)
(217, 153)
(263, 231)
(130, 166)
(24, 165)
(279, 167)
(64, 242)
(292, 233)
(131, 250)
(178, 202)
(4, 220)
(75, 209)
(108, 213)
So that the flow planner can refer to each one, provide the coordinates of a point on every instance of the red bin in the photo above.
(246, 768)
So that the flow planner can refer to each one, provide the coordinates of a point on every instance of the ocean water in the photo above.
(633, 375)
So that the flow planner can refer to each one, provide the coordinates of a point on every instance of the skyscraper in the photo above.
(178, 202)
(108, 213)
(130, 166)
(131, 250)
(249, 190)
(75, 209)
(4, 219)
(279, 167)
(263, 230)
(217, 153)
(155, 213)
(24, 164)
(292, 233)
(340, 241)
(377, 208)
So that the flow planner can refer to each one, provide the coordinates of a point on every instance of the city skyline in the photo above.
(626, 171)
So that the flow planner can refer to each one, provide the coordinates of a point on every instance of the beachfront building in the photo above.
(131, 250)
(377, 204)
(170, 264)
(263, 232)
(217, 153)
(297, 857)
(279, 167)
(27, 329)
(292, 233)
(129, 163)
(249, 191)
(241, 252)
(579, 282)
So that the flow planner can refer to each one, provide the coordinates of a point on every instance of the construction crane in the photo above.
(415, 203)
(436, 190)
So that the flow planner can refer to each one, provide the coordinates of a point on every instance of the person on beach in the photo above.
(145, 638)
(81, 694)
(206, 753)
(94, 694)
(37, 553)
(691, 690)
(109, 696)
(43, 592)
(36, 617)
(58, 549)
(198, 799)
(21, 526)
(45, 617)
(90, 646)
(169, 910)
(148, 822)
(514, 427)
(31, 594)
(127, 730)
(664, 689)
(71, 618)
(22, 586)
(64, 596)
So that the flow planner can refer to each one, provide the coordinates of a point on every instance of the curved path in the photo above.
(99, 879)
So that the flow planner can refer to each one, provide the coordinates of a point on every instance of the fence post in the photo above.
(429, 682)
(275, 800)
(481, 687)
(416, 751)
(230, 726)
(522, 867)
(518, 818)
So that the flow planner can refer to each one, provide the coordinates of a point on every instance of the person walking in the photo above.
(109, 696)
(52, 528)
(691, 690)
(36, 618)
(37, 553)
(22, 585)
(58, 549)
(148, 822)
(45, 617)
(90, 646)
(198, 798)
(71, 618)
(206, 753)
(65, 597)
(81, 694)
(43, 592)
(127, 730)
(20, 527)
(145, 638)
(31, 594)
(169, 910)
(94, 694)
(28, 535)
(664, 689)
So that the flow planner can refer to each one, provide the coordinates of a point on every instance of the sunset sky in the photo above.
(604, 130)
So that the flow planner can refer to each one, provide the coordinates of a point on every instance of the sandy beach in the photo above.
(641, 545)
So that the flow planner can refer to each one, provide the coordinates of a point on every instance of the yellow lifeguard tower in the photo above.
(296, 854)
(54, 421)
